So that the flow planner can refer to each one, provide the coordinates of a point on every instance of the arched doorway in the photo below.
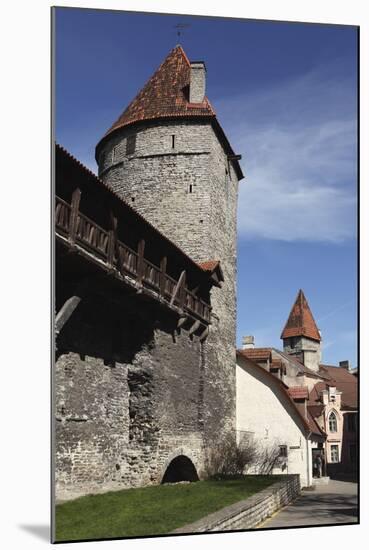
(181, 468)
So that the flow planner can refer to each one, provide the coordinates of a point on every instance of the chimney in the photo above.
(197, 82)
(248, 342)
(345, 365)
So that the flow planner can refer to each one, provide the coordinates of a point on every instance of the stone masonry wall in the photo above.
(189, 192)
(129, 398)
(310, 350)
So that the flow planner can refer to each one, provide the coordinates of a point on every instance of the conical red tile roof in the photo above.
(166, 94)
(301, 321)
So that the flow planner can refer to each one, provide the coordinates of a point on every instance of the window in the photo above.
(131, 144)
(190, 188)
(332, 422)
(173, 141)
(334, 453)
(283, 451)
(245, 438)
(118, 152)
(351, 422)
(292, 343)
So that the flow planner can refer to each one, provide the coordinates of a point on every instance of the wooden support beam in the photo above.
(112, 240)
(65, 312)
(181, 321)
(182, 294)
(163, 270)
(204, 334)
(140, 260)
(76, 197)
(181, 281)
(194, 327)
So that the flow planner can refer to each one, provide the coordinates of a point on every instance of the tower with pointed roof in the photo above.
(168, 156)
(301, 336)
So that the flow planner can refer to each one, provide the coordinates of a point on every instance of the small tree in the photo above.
(229, 458)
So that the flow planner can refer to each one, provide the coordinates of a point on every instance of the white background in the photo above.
(25, 268)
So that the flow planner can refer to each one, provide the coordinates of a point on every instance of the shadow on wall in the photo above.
(180, 468)
(110, 332)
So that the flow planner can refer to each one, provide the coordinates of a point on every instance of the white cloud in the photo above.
(298, 143)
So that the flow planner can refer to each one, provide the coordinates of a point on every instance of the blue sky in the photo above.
(285, 95)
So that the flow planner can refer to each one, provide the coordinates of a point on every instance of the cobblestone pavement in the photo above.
(333, 503)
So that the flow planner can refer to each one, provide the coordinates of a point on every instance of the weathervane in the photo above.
(180, 27)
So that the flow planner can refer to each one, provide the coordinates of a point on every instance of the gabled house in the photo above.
(326, 396)
(275, 418)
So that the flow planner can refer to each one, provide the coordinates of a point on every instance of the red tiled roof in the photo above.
(315, 410)
(299, 392)
(257, 354)
(166, 94)
(345, 382)
(314, 426)
(209, 265)
(301, 321)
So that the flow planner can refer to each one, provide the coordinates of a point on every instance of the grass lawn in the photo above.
(150, 510)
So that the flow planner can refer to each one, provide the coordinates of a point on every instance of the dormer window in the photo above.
(332, 422)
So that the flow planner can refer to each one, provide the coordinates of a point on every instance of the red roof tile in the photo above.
(256, 354)
(345, 382)
(209, 265)
(299, 392)
(166, 94)
(315, 410)
(301, 321)
(314, 426)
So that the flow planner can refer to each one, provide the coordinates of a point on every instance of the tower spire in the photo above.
(301, 337)
(301, 321)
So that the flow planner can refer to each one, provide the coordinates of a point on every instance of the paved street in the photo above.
(327, 504)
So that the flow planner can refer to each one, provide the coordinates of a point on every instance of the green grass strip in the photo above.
(150, 510)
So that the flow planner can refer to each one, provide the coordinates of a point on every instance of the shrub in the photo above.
(227, 458)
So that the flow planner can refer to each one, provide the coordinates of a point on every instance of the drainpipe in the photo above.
(308, 459)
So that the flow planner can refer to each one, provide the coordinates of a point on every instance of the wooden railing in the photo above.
(78, 228)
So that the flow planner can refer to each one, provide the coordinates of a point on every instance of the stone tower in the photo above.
(301, 336)
(168, 156)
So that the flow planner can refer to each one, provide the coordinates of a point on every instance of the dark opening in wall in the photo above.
(132, 199)
(131, 144)
(190, 188)
(180, 469)
(173, 141)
